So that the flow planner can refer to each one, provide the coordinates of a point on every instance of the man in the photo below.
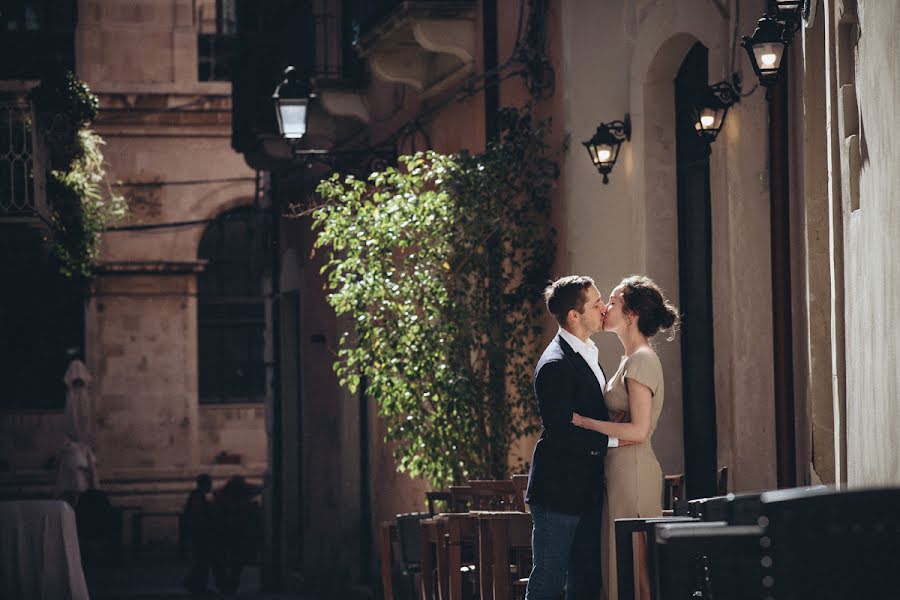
(565, 486)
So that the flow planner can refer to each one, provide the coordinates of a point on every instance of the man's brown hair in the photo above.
(565, 294)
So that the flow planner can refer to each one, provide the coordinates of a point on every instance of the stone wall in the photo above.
(168, 151)
(870, 183)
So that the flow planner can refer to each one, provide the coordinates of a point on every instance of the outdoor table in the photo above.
(39, 554)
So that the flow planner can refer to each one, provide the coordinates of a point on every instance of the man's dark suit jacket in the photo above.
(567, 464)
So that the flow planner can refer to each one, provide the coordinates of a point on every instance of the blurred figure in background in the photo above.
(198, 523)
(237, 531)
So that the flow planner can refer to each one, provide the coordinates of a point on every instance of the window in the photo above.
(34, 34)
(232, 309)
(216, 39)
(16, 159)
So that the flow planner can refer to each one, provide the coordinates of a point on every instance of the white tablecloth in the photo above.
(39, 555)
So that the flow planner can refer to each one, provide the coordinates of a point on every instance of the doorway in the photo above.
(695, 281)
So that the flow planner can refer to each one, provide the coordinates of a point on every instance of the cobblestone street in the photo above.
(162, 580)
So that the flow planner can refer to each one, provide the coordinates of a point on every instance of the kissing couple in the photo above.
(594, 462)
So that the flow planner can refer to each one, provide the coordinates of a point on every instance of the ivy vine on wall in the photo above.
(83, 203)
(440, 264)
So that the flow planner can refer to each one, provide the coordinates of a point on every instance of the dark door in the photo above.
(695, 282)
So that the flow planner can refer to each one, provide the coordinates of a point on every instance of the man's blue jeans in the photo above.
(566, 554)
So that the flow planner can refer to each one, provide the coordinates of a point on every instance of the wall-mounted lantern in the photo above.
(766, 48)
(712, 106)
(792, 10)
(603, 148)
(291, 99)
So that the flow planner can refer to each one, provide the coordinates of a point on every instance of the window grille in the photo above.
(17, 189)
(232, 309)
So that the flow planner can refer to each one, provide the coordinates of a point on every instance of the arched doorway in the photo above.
(695, 281)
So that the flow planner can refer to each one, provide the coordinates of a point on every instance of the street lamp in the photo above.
(291, 99)
(603, 147)
(711, 107)
(766, 48)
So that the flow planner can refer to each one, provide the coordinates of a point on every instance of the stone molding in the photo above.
(151, 267)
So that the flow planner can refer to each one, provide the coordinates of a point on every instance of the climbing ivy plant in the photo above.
(83, 202)
(439, 264)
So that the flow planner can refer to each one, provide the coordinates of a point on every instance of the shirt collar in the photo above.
(577, 345)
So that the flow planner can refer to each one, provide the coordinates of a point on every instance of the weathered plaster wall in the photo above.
(872, 248)
(630, 225)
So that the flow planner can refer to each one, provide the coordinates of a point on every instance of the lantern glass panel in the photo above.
(604, 154)
(768, 56)
(710, 119)
(292, 117)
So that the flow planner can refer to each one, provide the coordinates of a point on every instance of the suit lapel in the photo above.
(578, 360)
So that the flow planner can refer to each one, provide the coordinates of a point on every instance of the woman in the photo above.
(637, 310)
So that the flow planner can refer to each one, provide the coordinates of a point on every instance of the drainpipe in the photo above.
(782, 324)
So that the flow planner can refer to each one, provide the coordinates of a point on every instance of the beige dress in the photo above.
(633, 477)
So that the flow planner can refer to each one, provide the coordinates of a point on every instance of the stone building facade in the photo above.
(785, 370)
(166, 120)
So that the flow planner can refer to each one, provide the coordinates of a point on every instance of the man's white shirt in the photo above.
(589, 352)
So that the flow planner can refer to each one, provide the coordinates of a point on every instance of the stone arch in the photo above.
(654, 66)
(210, 214)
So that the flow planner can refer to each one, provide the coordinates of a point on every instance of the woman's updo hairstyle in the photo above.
(643, 298)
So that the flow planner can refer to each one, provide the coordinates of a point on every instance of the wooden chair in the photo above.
(520, 482)
(434, 580)
(500, 495)
(406, 532)
(386, 537)
(722, 481)
(460, 498)
(504, 551)
(436, 496)
(673, 492)
(461, 551)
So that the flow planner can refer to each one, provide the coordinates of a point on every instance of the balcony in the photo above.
(427, 45)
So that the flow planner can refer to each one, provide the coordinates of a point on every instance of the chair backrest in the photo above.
(501, 495)
(409, 534)
(460, 498)
(442, 496)
(722, 481)
(520, 482)
(673, 490)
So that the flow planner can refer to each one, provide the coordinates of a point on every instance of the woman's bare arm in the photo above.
(638, 430)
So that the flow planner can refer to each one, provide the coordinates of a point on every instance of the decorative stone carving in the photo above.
(427, 46)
